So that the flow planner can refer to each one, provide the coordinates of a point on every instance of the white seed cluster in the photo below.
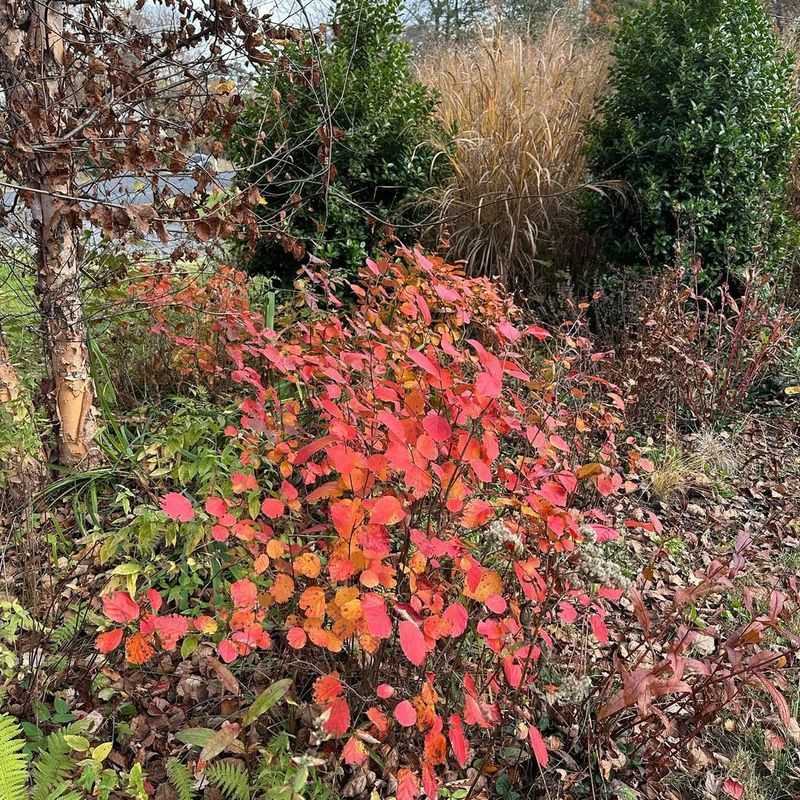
(498, 529)
(601, 568)
(573, 690)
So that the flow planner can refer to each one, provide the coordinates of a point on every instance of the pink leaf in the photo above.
(412, 642)
(154, 598)
(296, 637)
(496, 604)
(407, 785)
(384, 691)
(387, 511)
(374, 610)
(599, 628)
(567, 613)
(429, 783)
(177, 507)
(488, 385)
(554, 493)
(244, 593)
(216, 506)
(354, 752)
(405, 714)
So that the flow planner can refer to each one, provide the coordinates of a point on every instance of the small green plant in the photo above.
(60, 766)
(701, 125)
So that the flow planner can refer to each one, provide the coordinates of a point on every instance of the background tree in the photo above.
(446, 19)
(89, 96)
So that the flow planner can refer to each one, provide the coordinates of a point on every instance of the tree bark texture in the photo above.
(33, 75)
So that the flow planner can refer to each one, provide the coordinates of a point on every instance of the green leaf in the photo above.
(189, 645)
(102, 751)
(131, 568)
(197, 737)
(79, 743)
(268, 698)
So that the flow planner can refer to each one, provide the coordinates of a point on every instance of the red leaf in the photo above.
(379, 720)
(373, 609)
(733, 788)
(599, 628)
(554, 493)
(387, 511)
(496, 604)
(421, 360)
(407, 785)
(327, 688)
(538, 746)
(154, 599)
(108, 641)
(457, 616)
(412, 642)
(458, 741)
(384, 691)
(227, 651)
(489, 385)
(177, 507)
(244, 593)
(354, 752)
(405, 714)
(567, 613)
(429, 782)
(338, 722)
(120, 607)
(272, 507)
(537, 332)
(437, 427)
(603, 533)
(296, 637)
(216, 506)
(476, 513)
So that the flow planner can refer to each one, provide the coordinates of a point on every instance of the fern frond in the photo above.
(181, 779)
(64, 791)
(13, 764)
(51, 767)
(231, 779)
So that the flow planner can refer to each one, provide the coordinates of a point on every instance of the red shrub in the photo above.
(411, 505)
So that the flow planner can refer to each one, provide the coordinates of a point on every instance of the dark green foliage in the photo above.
(345, 133)
(700, 124)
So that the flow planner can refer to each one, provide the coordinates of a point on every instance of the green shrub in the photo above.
(337, 137)
(701, 125)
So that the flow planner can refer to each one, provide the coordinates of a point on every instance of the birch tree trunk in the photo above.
(33, 75)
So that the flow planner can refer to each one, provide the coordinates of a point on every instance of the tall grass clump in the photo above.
(517, 110)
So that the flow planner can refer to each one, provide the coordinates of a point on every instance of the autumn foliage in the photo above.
(419, 473)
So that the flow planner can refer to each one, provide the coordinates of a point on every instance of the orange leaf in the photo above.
(283, 589)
